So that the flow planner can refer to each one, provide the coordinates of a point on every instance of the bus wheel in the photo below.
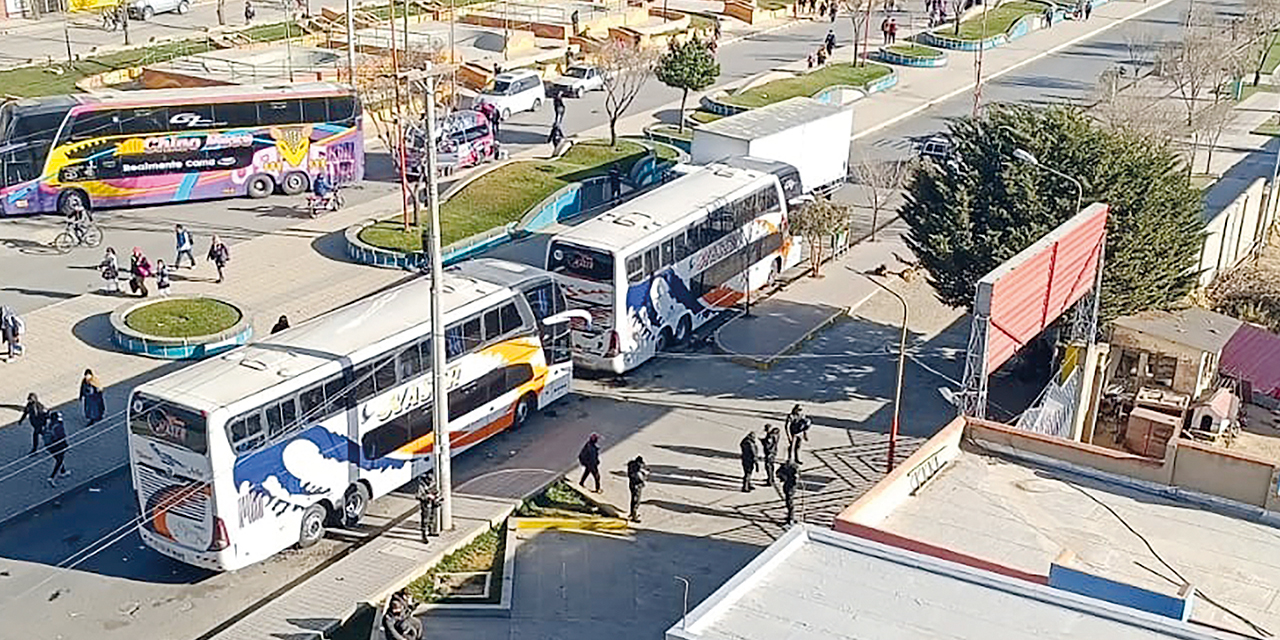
(261, 186)
(354, 504)
(683, 330)
(312, 525)
(294, 183)
(664, 340)
(71, 201)
(524, 409)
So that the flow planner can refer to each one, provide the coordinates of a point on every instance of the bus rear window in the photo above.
(165, 421)
(579, 262)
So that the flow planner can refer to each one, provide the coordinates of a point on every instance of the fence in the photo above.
(1237, 230)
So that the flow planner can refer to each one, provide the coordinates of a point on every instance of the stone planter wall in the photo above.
(891, 57)
(197, 347)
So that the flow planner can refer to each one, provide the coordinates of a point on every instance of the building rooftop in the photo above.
(815, 583)
(770, 119)
(1023, 517)
(1194, 327)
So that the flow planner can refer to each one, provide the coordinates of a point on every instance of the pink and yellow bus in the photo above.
(174, 145)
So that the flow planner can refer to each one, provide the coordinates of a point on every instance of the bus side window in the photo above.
(312, 403)
(492, 325)
(668, 252)
(384, 377)
(362, 387)
(280, 112)
(424, 351)
(454, 345)
(275, 423)
(95, 124)
(144, 121)
(510, 318)
(472, 335)
(246, 433)
(335, 393)
(315, 110)
(651, 264)
(411, 362)
(635, 269)
(342, 108)
(539, 299)
(681, 246)
(289, 415)
(236, 114)
(518, 374)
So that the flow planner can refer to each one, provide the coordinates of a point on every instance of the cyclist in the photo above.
(80, 220)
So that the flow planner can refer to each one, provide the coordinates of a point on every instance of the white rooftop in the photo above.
(818, 584)
(770, 119)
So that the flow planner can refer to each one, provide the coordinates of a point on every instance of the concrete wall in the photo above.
(1004, 437)
(1236, 230)
(1188, 377)
(876, 504)
(1222, 473)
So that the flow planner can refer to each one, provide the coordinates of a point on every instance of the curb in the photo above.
(764, 364)
(503, 608)
(193, 348)
(590, 523)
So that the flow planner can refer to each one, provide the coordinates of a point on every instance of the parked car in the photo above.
(513, 92)
(935, 147)
(146, 9)
(577, 80)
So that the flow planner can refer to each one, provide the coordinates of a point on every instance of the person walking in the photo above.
(428, 505)
(797, 431)
(811, 61)
(11, 329)
(830, 42)
(884, 30)
(750, 457)
(822, 55)
(555, 137)
(139, 271)
(573, 18)
(789, 475)
(833, 11)
(110, 270)
(557, 106)
(55, 442)
(182, 238)
(281, 325)
(1088, 9)
(91, 398)
(769, 446)
(35, 413)
(893, 30)
(615, 182)
(162, 278)
(248, 11)
(637, 475)
(589, 458)
(219, 254)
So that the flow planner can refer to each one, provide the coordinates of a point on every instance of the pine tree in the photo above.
(688, 66)
(980, 206)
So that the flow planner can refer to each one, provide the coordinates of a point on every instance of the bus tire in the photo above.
(260, 186)
(524, 409)
(355, 502)
(70, 199)
(312, 528)
(294, 183)
(684, 330)
(664, 340)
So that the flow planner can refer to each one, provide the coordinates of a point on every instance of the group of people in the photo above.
(141, 269)
(824, 50)
(11, 329)
(889, 29)
(937, 10)
(820, 8)
(756, 453)
(50, 428)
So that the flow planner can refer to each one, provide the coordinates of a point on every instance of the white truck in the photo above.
(811, 136)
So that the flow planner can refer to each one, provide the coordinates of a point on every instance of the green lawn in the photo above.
(703, 117)
(505, 194)
(559, 501)
(673, 131)
(808, 84)
(183, 318)
(997, 21)
(914, 50)
(485, 553)
(1269, 128)
(769, 5)
(698, 22)
(1272, 59)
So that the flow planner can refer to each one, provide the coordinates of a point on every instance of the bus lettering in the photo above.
(166, 144)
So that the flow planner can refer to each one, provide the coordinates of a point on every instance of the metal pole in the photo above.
(66, 35)
(351, 46)
(977, 63)
(288, 43)
(439, 394)
(902, 364)
(866, 35)
(399, 142)
(406, 27)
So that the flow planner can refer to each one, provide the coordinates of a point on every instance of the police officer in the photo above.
(789, 474)
(769, 444)
(637, 474)
(750, 455)
(428, 506)
(797, 431)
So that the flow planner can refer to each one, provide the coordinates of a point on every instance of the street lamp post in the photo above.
(1027, 157)
(902, 364)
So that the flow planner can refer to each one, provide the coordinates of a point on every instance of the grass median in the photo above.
(183, 318)
(914, 51)
(505, 194)
(807, 84)
(995, 22)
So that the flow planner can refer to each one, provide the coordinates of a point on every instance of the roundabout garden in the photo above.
(179, 327)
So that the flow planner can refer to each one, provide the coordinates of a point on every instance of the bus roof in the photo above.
(145, 97)
(501, 272)
(336, 335)
(651, 213)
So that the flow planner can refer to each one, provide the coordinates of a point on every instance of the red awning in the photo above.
(1253, 355)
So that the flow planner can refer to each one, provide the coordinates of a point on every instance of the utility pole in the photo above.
(288, 42)
(399, 141)
(406, 26)
(351, 45)
(439, 394)
(66, 35)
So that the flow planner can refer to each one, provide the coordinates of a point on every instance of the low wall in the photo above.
(1237, 230)
(1004, 437)
(942, 41)
(876, 504)
(887, 55)
(363, 253)
(1221, 473)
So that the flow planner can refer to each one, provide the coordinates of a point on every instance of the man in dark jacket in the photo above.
(428, 505)
(749, 457)
(589, 458)
(55, 442)
(769, 444)
(398, 622)
(637, 474)
(789, 474)
(37, 415)
(797, 431)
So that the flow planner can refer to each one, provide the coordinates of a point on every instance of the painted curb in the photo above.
(764, 364)
(193, 348)
(588, 523)
(361, 252)
(891, 57)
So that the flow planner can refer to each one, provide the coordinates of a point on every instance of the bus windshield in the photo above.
(580, 262)
(167, 422)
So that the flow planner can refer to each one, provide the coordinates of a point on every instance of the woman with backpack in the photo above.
(139, 270)
(110, 270)
(219, 255)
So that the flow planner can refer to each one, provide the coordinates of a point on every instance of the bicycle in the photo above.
(74, 234)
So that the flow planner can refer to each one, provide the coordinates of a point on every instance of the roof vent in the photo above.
(256, 365)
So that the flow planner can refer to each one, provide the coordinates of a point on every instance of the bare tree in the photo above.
(857, 12)
(881, 180)
(1211, 122)
(1147, 116)
(626, 68)
(222, 12)
(1262, 17)
(1139, 43)
(1198, 66)
(817, 221)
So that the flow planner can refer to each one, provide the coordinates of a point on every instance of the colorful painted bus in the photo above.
(653, 269)
(173, 145)
(243, 455)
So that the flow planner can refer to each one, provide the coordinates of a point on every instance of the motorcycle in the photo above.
(331, 201)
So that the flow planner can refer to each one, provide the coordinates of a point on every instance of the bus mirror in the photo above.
(565, 316)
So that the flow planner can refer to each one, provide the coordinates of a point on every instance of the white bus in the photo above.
(655, 268)
(240, 456)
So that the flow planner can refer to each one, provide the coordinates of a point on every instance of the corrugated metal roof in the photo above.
(769, 119)
(1194, 327)
(1253, 354)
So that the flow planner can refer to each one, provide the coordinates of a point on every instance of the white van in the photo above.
(514, 91)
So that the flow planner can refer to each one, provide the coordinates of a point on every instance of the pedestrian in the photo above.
(830, 42)
(884, 30)
(893, 30)
(822, 9)
(281, 325)
(716, 35)
(35, 413)
(797, 426)
(91, 398)
(428, 504)
(1088, 9)
(615, 182)
(833, 12)
(139, 271)
(162, 278)
(822, 55)
(769, 446)
(398, 622)
(110, 270)
(248, 11)
(11, 328)
(55, 442)
(555, 137)
(573, 18)
(219, 254)
(811, 61)
(557, 106)
(589, 458)
(185, 245)
(789, 475)
(637, 474)
(750, 455)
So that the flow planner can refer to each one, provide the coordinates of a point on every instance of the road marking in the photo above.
(1039, 56)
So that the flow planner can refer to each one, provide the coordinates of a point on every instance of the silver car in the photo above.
(146, 9)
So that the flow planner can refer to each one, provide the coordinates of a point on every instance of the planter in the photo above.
(132, 340)
(364, 253)
(887, 54)
(946, 42)
(667, 134)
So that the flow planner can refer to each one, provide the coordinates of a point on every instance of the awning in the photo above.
(1253, 355)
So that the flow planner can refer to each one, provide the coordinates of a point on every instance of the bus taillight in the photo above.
(613, 345)
(220, 539)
